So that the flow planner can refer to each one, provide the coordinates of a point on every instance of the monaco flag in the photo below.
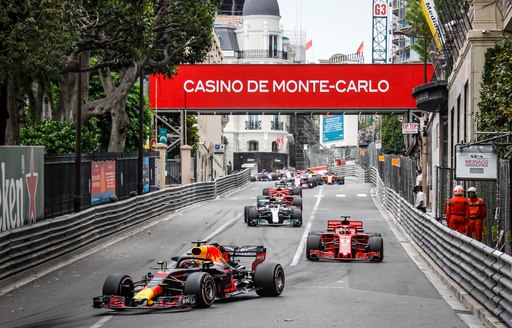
(360, 49)
(279, 143)
(309, 44)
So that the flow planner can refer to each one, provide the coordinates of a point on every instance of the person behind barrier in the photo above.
(457, 213)
(477, 214)
(421, 199)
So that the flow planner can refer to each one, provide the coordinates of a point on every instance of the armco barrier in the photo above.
(483, 272)
(29, 246)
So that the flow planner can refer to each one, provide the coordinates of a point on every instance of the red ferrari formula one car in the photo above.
(284, 187)
(345, 240)
(207, 272)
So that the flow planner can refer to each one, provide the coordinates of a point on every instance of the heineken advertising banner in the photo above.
(21, 186)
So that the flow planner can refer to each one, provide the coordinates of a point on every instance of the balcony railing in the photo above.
(253, 125)
(277, 125)
(261, 53)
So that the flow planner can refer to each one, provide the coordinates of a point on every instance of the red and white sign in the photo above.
(292, 87)
(410, 128)
(380, 9)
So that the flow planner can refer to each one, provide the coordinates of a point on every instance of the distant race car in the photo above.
(306, 180)
(285, 187)
(331, 178)
(207, 272)
(264, 176)
(345, 240)
(272, 211)
(290, 200)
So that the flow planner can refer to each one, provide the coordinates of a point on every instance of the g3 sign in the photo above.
(380, 9)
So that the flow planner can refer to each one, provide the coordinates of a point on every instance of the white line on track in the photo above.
(102, 321)
(222, 227)
(300, 249)
(340, 195)
(362, 195)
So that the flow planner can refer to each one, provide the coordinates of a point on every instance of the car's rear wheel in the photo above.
(296, 217)
(269, 279)
(202, 285)
(314, 244)
(265, 191)
(252, 216)
(376, 244)
(119, 284)
(297, 191)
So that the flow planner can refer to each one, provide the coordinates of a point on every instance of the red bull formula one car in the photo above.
(207, 272)
(345, 240)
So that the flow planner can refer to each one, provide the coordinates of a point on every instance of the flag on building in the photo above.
(360, 49)
(279, 143)
(309, 44)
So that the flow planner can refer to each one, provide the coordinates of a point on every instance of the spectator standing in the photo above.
(457, 212)
(477, 214)
(421, 199)
(419, 177)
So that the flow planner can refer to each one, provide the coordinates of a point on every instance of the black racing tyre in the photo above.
(202, 285)
(269, 279)
(253, 179)
(297, 201)
(296, 217)
(274, 177)
(265, 192)
(314, 244)
(252, 216)
(119, 284)
(297, 191)
(376, 244)
(246, 213)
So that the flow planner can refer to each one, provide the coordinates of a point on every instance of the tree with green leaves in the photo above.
(34, 38)
(496, 102)
(392, 137)
(418, 27)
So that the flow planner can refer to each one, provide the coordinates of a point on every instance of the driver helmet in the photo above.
(190, 263)
(458, 191)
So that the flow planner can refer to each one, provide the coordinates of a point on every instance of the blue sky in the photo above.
(335, 26)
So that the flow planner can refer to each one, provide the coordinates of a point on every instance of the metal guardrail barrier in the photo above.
(482, 271)
(29, 246)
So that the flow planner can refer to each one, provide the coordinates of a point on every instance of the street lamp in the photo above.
(424, 37)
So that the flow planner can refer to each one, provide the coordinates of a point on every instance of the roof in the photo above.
(227, 38)
(261, 7)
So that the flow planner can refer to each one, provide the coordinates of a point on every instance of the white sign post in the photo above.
(475, 163)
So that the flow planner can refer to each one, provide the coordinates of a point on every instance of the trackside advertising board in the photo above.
(475, 163)
(347, 88)
(21, 186)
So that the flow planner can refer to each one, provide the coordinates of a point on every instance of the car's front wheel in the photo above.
(119, 284)
(202, 286)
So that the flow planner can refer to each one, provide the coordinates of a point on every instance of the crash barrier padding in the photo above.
(482, 271)
(31, 245)
(351, 170)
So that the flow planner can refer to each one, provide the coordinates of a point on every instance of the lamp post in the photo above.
(423, 133)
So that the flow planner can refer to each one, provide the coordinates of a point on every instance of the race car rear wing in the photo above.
(259, 252)
(331, 224)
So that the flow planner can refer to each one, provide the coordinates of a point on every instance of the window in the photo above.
(253, 145)
(272, 46)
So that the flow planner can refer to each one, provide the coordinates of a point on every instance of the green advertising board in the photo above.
(21, 186)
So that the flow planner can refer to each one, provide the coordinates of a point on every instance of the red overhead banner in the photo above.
(288, 87)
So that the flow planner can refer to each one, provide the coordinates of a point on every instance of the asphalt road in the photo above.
(398, 292)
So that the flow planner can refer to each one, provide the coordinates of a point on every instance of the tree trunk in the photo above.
(4, 114)
(12, 135)
(66, 111)
(120, 123)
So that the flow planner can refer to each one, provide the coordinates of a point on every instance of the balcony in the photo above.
(253, 125)
(261, 53)
(277, 125)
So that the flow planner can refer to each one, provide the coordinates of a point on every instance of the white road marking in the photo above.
(102, 321)
(362, 195)
(302, 243)
(222, 227)
(340, 195)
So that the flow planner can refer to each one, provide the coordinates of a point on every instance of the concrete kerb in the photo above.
(20, 279)
(487, 318)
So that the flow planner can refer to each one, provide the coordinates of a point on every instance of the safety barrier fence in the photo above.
(29, 246)
(482, 271)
